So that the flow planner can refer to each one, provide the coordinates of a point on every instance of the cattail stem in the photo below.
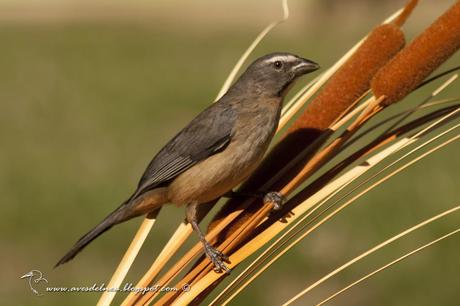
(393, 262)
(128, 258)
(373, 250)
(181, 234)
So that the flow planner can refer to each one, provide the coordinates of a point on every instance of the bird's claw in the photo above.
(217, 258)
(275, 198)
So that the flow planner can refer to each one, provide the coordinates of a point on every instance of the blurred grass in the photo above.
(85, 105)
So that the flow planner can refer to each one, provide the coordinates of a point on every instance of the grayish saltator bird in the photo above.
(215, 152)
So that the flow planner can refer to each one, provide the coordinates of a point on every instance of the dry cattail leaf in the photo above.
(388, 265)
(373, 250)
(128, 258)
(279, 246)
(248, 248)
(301, 196)
(420, 58)
(241, 232)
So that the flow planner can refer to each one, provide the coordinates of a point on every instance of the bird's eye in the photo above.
(278, 65)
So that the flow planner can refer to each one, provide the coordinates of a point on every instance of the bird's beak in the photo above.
(305, 66)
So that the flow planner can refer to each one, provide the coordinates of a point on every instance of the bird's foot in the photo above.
(275, 198)
(217, 258)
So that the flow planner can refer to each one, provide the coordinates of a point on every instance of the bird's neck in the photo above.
(255, 91)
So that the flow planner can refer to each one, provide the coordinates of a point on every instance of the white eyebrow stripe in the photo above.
(283, 58)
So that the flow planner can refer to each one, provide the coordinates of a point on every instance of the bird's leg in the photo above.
(217, 258)
(273, 197)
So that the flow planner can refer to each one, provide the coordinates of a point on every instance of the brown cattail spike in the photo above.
(353, 79)
(420, 58)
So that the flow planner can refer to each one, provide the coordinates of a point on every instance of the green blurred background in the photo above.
(90, 90)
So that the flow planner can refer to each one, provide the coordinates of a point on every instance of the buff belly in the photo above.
(216, 175)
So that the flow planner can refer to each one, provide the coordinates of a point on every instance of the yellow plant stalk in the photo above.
(329, 188)
(235, 238)
(232, 241)
(372, 250)
(279, 248)
(250, 247)
(393, 262)
(127, 260)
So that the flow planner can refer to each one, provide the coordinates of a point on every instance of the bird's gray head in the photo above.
(273, 73)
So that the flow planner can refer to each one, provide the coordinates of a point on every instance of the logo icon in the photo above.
(34, 277)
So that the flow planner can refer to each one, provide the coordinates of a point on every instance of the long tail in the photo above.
(117, 216)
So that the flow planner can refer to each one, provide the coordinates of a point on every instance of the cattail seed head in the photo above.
(353, 79)
(420, 58)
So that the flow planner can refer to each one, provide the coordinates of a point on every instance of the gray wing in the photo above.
(209, 133)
